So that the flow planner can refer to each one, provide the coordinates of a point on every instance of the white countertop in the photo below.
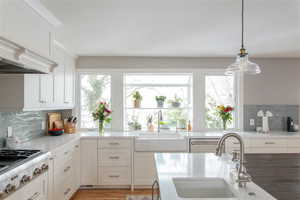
(49, 143)
(172, 165)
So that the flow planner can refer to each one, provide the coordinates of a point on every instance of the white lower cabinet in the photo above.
(64, 171)
(88, 162)
(144, 169)
(37, 189)
(114, 176)
(115, 161)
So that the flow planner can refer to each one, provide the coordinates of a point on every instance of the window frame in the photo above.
(78, 99)
(236, 92)
(189, 87)
(198, 101)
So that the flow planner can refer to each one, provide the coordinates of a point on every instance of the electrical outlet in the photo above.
(43, 125)
(9, 131)
(252, 122)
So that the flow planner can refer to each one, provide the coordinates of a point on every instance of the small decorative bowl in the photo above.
(56, 132)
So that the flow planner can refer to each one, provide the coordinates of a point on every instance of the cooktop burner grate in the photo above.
(11, 157)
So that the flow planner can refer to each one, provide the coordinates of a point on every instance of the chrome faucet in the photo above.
(159, 119)
(242, 176)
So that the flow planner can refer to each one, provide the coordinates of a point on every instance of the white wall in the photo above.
(151, 62)
(279, 82)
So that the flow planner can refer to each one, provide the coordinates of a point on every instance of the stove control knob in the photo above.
(44, 167)
(9, 188)
(25, 179)
(37, 171)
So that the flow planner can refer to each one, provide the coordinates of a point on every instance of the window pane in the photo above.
(150, 86)
(94, 88)
(219, 90)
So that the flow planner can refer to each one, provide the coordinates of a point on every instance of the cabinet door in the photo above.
(31, 91)
(144, 162)
(51, 179)
(46, 90)
(23, 25)
(58, 76)
(76, 166)
(88, 162)
(69, 81)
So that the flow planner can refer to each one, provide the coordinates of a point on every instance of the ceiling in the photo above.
(185, 28)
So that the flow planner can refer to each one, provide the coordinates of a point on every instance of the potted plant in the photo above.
(102, 114)
(137, 99)
(176, 102)
(225, 113)
(160, 100)
(150, 125)
(134, 125)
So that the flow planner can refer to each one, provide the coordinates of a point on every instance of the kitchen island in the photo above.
(171, 166)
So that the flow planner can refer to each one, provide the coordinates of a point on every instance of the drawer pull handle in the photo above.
(34, 196)
(114, 157)
(269, 142)
(114, 176)
(67, 169)
(66, 152)
(76, 146)
(67, 191)
(236, 143)
(114, 143)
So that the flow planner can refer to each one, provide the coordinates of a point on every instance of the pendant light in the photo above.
(242, 63)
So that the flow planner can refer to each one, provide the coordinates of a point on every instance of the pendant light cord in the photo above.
(243, 24)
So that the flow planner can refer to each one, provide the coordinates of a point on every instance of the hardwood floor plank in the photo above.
(108, 194)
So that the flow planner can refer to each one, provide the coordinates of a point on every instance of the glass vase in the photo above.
(101, 127)
(224, 124)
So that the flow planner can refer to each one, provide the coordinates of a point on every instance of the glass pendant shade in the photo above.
(243, 65)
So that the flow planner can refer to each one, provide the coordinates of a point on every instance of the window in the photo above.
(93, 88)
(174, 89)
(219, 90)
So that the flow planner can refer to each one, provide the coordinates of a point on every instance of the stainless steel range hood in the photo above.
(10, 67)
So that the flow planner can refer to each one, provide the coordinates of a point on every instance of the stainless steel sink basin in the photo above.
(202, 188)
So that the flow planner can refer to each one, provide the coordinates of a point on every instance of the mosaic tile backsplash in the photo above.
(277, 122)
(25, 125)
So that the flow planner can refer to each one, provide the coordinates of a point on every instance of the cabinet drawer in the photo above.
(114, 143)
(268, 142)
(292, 142)
(63, 155)
(268, 150)
(114, 176)
(293, 150)
(63, 171)
(110, 157)
(232, 142)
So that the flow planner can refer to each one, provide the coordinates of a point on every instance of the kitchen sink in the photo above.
(202, 188)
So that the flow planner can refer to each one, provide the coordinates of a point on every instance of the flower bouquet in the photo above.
(102, 114)
(225, 113)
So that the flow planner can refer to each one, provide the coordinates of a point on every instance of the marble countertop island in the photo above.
(175, 165)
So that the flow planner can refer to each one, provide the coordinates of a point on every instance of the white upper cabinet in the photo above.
(69, 81)
(59, 75)
(64, 77)
(32, 98)
(24, 26)
(46, 90)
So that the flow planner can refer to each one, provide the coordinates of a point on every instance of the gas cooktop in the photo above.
(10, 158)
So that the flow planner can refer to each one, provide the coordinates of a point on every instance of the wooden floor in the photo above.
(107, 194)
